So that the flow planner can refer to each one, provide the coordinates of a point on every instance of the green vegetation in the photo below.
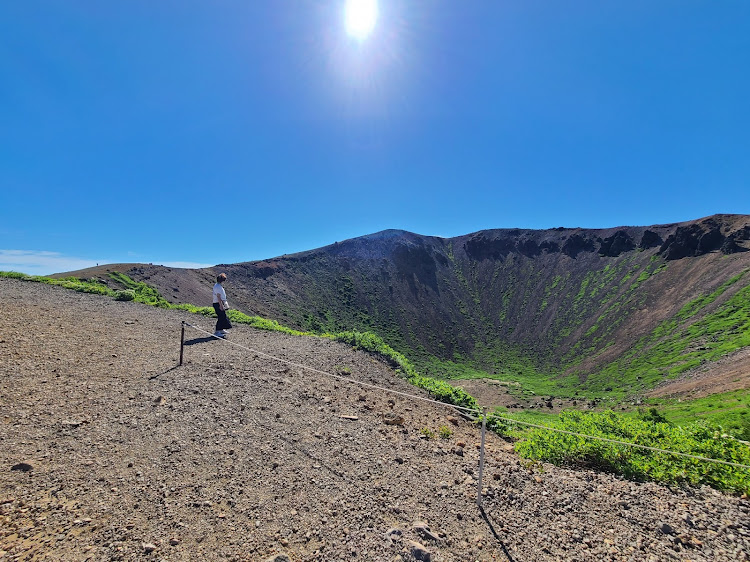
(683, 342)
(126, 295)
(427, 432)
(639, 464)
(444, 432)
(730, 410)
(374, 344)
(722, 330)
(701, 302)
(367, 341)
(79, 285)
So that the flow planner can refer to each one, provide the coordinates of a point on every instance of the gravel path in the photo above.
(109, 451)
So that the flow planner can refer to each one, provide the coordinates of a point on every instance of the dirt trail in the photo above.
(108, 451)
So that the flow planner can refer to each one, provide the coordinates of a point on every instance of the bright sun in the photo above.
(361, 16)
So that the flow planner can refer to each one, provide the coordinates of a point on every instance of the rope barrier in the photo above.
(617, 442)
(353, 381)
(472, 410)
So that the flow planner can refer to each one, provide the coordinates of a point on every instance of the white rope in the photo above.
(353, 381)
(472, 410)
(615, 441)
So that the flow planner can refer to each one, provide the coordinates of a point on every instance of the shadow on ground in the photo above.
(200, 340)
(494, 532)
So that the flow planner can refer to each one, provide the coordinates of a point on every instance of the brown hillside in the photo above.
(509, 302)
(109, 451)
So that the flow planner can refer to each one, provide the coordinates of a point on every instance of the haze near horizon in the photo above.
(190, 135)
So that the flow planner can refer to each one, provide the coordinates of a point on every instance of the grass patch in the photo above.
(677, 345)
(730, 410)
(703, 439)
(698, 439)
(374, 344)
(143, 293)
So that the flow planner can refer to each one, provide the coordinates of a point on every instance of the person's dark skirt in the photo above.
(223, 322)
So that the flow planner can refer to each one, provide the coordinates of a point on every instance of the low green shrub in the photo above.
(14, 275)
(641, 464)
(427, 432)
(444, 432)
(440, 390)
(537, 444)
(80, 285)
(126, 295)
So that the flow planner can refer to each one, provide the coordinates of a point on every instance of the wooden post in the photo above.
(481, 459)
(182, 342)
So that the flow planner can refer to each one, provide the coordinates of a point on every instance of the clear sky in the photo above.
(186, 132)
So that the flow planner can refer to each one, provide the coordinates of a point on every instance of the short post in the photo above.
(182, 342)
(481, 459)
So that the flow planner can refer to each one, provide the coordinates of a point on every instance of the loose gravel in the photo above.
(111, 451)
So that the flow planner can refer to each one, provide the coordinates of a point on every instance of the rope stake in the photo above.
(481, 459)
(353, 381)
(182, 342)
(470, 410)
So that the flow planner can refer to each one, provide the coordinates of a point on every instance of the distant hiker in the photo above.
(221, 306)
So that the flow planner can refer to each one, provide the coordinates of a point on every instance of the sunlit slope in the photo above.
(613, 309)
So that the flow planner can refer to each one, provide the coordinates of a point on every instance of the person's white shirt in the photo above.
(220, 295)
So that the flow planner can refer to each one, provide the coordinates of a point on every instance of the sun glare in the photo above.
(360, 17)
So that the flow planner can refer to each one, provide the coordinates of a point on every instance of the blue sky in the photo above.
(186, 132)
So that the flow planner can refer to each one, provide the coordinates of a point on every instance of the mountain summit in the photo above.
(616, 309)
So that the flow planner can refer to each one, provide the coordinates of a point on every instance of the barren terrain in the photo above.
(110, 451)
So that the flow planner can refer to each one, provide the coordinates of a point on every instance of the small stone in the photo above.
(666, 529)
(419, 551)
(422, 529)
(453, 420)
(393, 419)
(393, 534)
(279, 558)
(174, 541)
(22, 467)
(149, 547)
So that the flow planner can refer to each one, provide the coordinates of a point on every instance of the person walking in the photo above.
(221, 306)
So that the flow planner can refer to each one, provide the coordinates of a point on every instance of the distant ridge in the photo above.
(616, 309)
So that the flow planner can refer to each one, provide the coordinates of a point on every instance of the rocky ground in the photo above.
(110, 451)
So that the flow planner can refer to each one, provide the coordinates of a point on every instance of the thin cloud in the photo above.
(36, 262)
(184, 264)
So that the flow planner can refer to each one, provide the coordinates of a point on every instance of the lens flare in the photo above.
(360, 17)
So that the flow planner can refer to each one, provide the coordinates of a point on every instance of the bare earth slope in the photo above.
(618, 309)
(108, 451)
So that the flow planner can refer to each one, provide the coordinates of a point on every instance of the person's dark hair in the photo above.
(221, 277)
